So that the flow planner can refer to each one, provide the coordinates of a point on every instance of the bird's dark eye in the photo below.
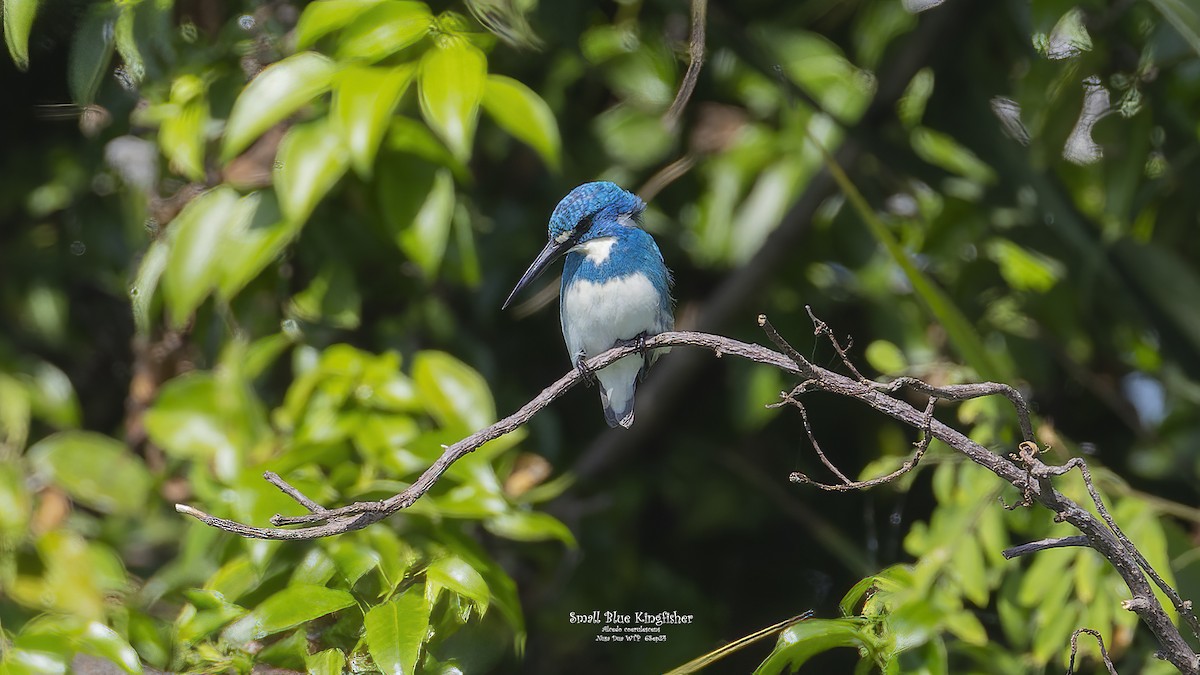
(583, 226)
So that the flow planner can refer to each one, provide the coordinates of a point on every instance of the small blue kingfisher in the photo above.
(616, 289)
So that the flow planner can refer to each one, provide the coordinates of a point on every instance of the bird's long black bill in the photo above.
(548, 255)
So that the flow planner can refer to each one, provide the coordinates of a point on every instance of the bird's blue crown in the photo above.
(600, 200)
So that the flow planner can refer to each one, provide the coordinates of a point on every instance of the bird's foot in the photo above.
(585, 372)
(638, 341)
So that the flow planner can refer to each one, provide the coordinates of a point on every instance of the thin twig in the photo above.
(1044, 544)
(274, 479)
(1112, 670)
(822, 328)
(846, 482)
(964, 392)
(696, 61)
(909, 464)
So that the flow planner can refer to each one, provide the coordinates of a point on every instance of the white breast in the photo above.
(595, 315)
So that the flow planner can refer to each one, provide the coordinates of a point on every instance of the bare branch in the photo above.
(1112, 670)
(964, 392)
(696, 61)
(1044, 544)
(1027, 473)
(1184, 607)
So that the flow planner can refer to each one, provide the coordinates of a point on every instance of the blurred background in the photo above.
(248, 236)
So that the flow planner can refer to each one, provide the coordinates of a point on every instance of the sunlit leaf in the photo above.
(278, 91)
(310, 161)
(454, 393)
(799, 643)
(425, 239)
(250, 245)
(452, 79)
(182, 135)
(325, 16)
(99, 640)
(384, 30)
(395, 631)
(530, 526)
(286, 609)
(522, 113)
(16, 503)
(328, 662)
(94, 469)
(1025, 270)
(363, 102)
(18, 20)
(886, 357)
(193, 264)
(456, 575)
(197, 416)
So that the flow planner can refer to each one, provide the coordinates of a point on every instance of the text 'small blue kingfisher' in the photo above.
(616, 289)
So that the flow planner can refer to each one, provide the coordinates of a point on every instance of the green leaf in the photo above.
(251, 244)
(452, 79)
(799, 643)
(127, 47)
(522, 113)
(911, 107)
(15, 409)
(194, 265)
(51, 396)
(1184, 18)
(325, 16)
(455, 574)
(395, 631)
(415, 196)
(944, 151)
(182, 135)
(384, 30)
(310, 161)
(278, 91)
(363, 102)
(16, 503)
(333, 298)
(18, 20)
(424, 240)
(91, 50)
(145, 283)
(286, 609)
(99, 640)
(1025, 270)
(200, 417)
(530, 526)
(94, 469)
(455, 394)
(328, 662)
(886, 357)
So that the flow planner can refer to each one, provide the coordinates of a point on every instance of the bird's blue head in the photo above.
(587, 211)
(588, 204)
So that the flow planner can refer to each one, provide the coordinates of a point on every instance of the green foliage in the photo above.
(281, 239)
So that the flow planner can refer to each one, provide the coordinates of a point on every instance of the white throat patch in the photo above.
(597, 250)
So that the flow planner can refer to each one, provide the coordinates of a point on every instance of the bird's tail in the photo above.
(617, 384)
(616, 417)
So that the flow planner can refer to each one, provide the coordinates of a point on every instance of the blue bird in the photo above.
(616, 289)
